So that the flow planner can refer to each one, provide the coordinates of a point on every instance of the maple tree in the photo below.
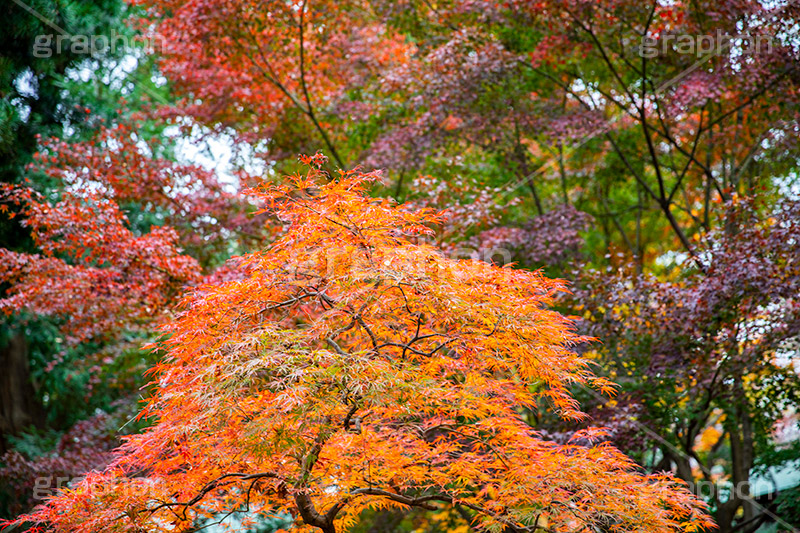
(352, 368)
(711, 355)
(95, 267)
(119, 163)
(570, 99)
(271, 66)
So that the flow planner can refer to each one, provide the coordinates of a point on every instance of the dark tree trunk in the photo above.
(19, 404)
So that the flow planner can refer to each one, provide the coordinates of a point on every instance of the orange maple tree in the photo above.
(355, 367)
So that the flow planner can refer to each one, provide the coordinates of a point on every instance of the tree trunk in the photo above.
(738, 427)
(19, 404)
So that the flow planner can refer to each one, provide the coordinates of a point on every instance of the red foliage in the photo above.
(93, 270)
(258, 66)
(96, 269)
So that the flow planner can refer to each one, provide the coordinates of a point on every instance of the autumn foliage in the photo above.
(354, 367)
(92, 269)
(98, 268)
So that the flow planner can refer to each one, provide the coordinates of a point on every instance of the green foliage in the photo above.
(35, 442)
(789, 508)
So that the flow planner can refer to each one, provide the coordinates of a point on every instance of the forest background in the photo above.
(646, 152)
